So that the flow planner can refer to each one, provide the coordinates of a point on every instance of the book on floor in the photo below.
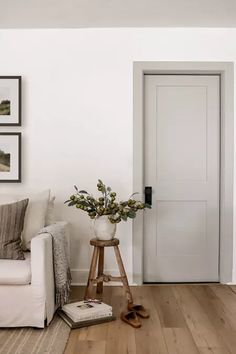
(86, 323)
(87, 310)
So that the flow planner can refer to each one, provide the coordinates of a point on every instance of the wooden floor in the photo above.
(185, 319)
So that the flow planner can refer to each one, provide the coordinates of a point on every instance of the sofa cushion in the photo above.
(13, 272)
(50, 215)
(35, 213)
(11, 225)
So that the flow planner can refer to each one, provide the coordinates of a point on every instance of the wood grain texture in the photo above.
(109, 243)
(100, 269)
(123, 274)
(185, 319)
(98, 262)
(92, 274)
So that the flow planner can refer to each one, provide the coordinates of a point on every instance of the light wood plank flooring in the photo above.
(185, 319)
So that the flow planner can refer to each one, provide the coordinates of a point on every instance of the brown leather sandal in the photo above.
(131, 318)
(139, 309)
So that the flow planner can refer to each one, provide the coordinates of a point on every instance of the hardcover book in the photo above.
(87, 310)
(80, 324)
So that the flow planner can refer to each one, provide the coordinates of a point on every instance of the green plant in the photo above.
(106, 205)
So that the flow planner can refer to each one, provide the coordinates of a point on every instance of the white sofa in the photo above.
(27, 287)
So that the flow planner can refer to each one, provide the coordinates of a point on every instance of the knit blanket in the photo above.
(62, 275)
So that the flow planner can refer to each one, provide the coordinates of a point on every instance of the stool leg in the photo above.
(92, 275)
(100, 269)
(123, 274)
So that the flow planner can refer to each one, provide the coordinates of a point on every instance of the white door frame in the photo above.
(226, 72)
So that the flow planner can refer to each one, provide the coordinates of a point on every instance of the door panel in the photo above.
(181, 241)
(174, 158)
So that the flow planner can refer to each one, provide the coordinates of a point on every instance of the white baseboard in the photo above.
(80, 276)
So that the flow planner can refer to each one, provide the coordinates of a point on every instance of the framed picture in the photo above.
(10, 157)
(10, 100)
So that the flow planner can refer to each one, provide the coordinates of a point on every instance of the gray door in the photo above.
(182, 129)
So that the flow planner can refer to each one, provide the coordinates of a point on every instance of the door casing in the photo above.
(226, 72)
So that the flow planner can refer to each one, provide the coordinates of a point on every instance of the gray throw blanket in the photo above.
(62, 275)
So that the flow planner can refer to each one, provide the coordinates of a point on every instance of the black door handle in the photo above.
(148, 195)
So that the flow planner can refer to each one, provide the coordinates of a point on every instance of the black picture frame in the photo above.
(18, 113)
(17, 179)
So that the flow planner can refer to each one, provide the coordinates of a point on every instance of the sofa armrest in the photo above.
(41, 259)
(42, 274)
(42, 256)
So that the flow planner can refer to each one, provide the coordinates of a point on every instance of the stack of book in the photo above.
(86, 313)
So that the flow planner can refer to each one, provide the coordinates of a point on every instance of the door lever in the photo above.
(148, 195)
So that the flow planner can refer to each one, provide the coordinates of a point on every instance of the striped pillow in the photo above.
(11, 225)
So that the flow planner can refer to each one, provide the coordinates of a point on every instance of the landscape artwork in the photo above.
(5, 161)
(10, 157)
(10, 100)
(5, 103)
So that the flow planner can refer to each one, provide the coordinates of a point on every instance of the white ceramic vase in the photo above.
(104, 230)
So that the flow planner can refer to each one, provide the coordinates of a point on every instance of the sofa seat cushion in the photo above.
(14, 272)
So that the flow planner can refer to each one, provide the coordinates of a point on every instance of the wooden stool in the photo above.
(98, 257)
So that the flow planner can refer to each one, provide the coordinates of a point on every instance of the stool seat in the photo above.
(106, 243)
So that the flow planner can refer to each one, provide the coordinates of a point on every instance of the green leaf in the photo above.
(90, 210)
(131, 214)
(100, 181)
(67, 201)
(83, 202)
(83, 192)
(108, 189)
(148, 206)
(76, 188)
(124, 217)
(72, 203)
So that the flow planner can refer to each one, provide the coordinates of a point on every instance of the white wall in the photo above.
(78, 110)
